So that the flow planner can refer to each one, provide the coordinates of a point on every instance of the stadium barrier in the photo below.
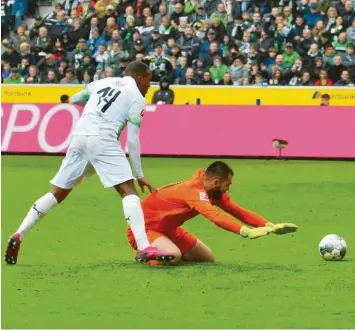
(204, 95)
(314, 132)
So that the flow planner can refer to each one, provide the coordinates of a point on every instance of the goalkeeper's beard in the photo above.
(217, 194)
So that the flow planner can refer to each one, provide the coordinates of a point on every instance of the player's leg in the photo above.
(159, 241)
(71, 170)
(199, 253)
(113, 169)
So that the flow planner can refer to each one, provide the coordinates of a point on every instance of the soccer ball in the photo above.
(332, 247)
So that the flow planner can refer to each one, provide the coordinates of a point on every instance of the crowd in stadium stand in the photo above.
(191, 42)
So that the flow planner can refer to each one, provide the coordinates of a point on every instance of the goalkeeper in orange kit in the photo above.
(166, 210)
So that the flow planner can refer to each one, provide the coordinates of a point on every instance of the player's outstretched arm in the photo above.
(251, 218)
(246, 216)
(227, 222)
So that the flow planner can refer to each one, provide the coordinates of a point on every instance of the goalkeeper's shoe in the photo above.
(255, 232)
(12, 250)
(152, 253)
(282, 228)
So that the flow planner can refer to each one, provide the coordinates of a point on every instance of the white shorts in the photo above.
(102, 154)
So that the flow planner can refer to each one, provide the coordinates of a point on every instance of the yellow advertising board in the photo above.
(340, 96)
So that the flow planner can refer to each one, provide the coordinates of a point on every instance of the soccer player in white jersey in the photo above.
(110, 105)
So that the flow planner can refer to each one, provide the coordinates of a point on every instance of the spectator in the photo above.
(163, 12)
(101, 56)
(289, 56)
(6, 70)
(64, 98)
(331, 17)
(214, 51)
(200, 68)
(344, 79)
(313, 16)
(109, 28)
(350, 32)
(335, 71)
(190, 44)
(45, 65)
(34, 32)
(306, 79)
(166, 29)
(108, 72)
(207, 80)
(57, 27)
(114, 56)
(82, 10)
(238, 71)
(236, 30)
(227, 80)
(63, 65)
(33, 75)
(14, 77)
(200, 14)
(336, 28)
(58, 51)
(87, 78)
(276, 78)
(218, 70)
(159, 64)
(80, 31)
(156, 40)
(26, 53)
(164, 95)
(325, 100)
(140, 48)
(189, 78)
(298, 28)
(341, 43)
(24, 68)
(328, 56)
(11, 55)
(219, 27)
(41, 45)
(178, 12)
(95, 41)
(206, 44)
(79, 53)
(348, 59)
(303, 45)
(323, 79)
(320, 34)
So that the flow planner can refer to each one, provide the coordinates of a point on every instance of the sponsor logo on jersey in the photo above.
(204, 196)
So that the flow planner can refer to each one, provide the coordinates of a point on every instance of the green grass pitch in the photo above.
(76, 269)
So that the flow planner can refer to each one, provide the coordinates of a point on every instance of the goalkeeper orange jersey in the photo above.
(171, 205)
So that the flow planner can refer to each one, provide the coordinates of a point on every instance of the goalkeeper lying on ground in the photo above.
(166, 210)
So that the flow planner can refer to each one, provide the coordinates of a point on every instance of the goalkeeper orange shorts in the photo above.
(179, 236)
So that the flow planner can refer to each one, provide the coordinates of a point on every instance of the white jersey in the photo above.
(112, 102)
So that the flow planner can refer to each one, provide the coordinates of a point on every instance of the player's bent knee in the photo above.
(126, 188)
(60, 194)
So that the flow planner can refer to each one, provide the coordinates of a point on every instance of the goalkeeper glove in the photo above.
(255, 232)
(282, 228)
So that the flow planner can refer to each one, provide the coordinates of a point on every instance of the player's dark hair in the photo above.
(325, 96)
(219, 169)
(136, 69)
(64, 98)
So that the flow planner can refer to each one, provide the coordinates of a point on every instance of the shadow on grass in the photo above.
(216, 267)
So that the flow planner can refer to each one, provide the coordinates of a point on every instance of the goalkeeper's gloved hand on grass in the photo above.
(282, 228)
(255, 232)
